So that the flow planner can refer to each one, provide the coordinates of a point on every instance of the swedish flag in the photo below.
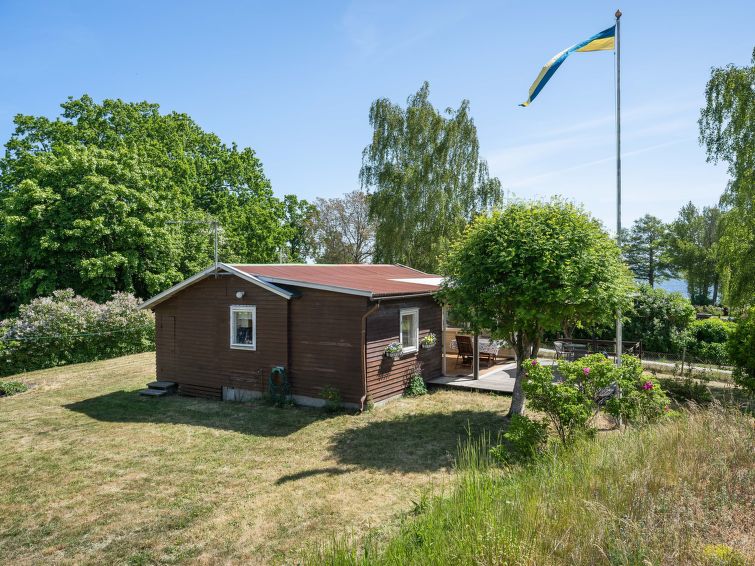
(603, 41)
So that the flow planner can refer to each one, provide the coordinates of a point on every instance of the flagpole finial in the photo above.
(618, 14)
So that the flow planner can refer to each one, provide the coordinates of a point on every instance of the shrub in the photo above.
(332, 397)
(8, 388)
(711, 330)
(658, 318)
(741, 349)
(65, 328)
(523, 440)
(416, 384)
(564, 403)
(589, 384)
(685, 390)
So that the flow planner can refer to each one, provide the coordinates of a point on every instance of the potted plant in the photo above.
(429, 341)
(394, 350)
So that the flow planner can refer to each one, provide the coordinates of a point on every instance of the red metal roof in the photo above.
(376, 280)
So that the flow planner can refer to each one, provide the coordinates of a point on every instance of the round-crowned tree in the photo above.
(533, 267)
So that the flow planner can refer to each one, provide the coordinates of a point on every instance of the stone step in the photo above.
(154, 392)
(163, 385)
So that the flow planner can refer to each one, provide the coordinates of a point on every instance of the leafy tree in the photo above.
(727, 130)
(343, 232)
(658, 318)
(299, 217)
(693, 239)
(644, 248)
(426, 178)
(741, 347)
(527, 269)
(115, 196)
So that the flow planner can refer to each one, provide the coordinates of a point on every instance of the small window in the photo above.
(410, 329)
(244, 327)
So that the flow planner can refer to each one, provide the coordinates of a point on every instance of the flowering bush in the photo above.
(564, 403)
(65, 328)
(641, 397)
(592, 384)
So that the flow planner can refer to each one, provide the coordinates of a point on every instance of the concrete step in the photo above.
(154, 392)
(163, 385)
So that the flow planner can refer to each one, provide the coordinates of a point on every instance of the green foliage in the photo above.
(693, 250)
(523, 441)
(650, 495)
(342, 229)
(332, 397)
(415, 384)
(567, 406)
(534, 267)
(426, 178)
(115, 197)
(65, 328)
(659, 319)
(645, 249)
(687, 389)
(727, 130)
(741, 348)
(589, 384)
(711, 330)
(8, 388)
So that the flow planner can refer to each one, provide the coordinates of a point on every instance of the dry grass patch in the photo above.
(95, 474)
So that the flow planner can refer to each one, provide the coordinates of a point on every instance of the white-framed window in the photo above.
(409, 330)
(244, 327)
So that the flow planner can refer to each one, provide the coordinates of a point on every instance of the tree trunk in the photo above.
(517, 397)
(715, 289)
(651, 270)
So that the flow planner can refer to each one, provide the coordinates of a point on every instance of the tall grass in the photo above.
(657, 495)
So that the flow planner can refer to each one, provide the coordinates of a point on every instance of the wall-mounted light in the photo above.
(239, 294)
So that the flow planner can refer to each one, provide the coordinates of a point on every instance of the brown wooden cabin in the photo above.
(220, 332)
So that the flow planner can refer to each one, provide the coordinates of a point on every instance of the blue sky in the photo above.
(294, 80)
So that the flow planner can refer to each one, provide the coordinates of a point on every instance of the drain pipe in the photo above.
(364, 353)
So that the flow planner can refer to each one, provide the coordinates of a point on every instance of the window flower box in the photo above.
(428, 341)
(394, 350)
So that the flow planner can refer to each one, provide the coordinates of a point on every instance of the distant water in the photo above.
(679, 285)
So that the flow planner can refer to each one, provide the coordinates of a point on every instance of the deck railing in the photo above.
(608, 347)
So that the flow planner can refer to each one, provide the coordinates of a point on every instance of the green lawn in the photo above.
(678, 492)
(93, 473)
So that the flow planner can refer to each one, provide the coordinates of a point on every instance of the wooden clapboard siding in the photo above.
(326, 343)
(316, 336)
(199, 353)
(387, 377)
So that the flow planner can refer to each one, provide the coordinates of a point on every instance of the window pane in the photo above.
(409, 330)
(244, 325)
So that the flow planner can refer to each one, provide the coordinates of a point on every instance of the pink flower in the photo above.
(586, 371)
(533, 362)
(647, 385)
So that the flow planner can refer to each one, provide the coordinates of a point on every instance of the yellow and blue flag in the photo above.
(603, 41)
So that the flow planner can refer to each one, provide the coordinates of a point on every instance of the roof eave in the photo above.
(168, 293)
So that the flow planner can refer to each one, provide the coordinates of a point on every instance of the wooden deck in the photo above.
(496, 379)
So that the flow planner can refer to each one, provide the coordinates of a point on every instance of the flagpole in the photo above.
(618, 170)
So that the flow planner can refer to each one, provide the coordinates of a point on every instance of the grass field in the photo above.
(93, 473)
(682, 492)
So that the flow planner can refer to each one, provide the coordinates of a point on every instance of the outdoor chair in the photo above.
(559, 347)
(465, 349)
